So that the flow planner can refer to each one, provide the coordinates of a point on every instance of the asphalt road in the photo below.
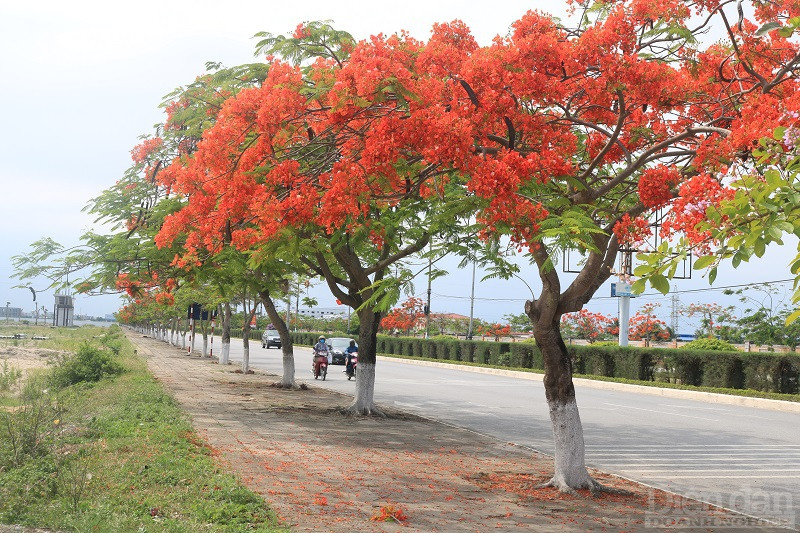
(741, 458)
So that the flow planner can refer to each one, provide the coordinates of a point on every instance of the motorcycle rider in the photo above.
(348, 352)
(321, 348)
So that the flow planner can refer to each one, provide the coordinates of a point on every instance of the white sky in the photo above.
(81, 81)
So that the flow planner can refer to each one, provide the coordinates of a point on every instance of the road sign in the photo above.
(622, 289)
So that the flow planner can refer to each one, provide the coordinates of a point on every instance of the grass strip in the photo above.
(121, 456)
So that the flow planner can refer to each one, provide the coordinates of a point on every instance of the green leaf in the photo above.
(703, 262)
(775, 233)
(712, 275)
(642, 270)
(660, 283)
(786, 32)
(759, 247)
(773, 178)
(639, 286)
(768, 27)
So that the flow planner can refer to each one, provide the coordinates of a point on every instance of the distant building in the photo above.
(11, 312)
(64, 309)
(324, 312)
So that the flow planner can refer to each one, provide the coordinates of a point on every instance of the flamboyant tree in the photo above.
(712, 316)
(645, 326)
(587, 325)
(330, 159)
(580, 134)
(494, 330)
(404, 318)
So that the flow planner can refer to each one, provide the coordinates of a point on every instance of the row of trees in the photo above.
(762, 323)
(345, 160)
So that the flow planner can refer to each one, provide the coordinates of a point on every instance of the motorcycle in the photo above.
(352, 362)
(320, 365)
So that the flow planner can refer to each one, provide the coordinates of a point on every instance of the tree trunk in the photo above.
(204, 329)
(183, 335)
(570, 467)
(226, 333)
(248, 318)
(363, 403)
(246, 349)
(287, 347)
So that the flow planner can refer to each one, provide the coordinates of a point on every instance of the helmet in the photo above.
(321, 338)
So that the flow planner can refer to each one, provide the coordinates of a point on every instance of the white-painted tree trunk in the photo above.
(288, 366)
(205, 345)
(226, 352)
(365, 390)
(570, 467)
(245, 355)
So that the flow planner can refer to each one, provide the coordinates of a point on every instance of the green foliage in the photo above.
(27, 431)
(88, 364)
(9, 376)
(772, 372)
(710, 343)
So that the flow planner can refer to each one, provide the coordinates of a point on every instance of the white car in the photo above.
(270, 338)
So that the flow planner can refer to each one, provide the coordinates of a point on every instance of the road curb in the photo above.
(708, 397)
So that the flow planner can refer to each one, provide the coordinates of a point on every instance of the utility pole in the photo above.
(625, 300)
(470, 333)
(296, 306)
(428, 305)
(675, 310)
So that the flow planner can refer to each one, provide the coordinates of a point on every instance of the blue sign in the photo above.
(622, 289)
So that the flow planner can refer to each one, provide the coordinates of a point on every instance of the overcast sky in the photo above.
(83, 79)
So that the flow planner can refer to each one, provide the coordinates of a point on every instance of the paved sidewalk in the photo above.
(323, 471)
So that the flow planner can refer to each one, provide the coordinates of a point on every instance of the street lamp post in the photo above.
(8, 311)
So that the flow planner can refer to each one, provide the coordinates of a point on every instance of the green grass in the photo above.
(733, 392)
(122, 457)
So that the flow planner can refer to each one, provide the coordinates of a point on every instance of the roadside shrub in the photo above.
(772, 372)
(447, 348)
(521, 354)
(380, 344)
(418, 346)
(709, 343)
(597, 361)
(466, 351)
(723, 369)
(686, 366)
(482, 352)
(88, 364)
(429, 349)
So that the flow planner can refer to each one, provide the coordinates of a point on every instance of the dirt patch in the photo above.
(322, 470)
(28, 359)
